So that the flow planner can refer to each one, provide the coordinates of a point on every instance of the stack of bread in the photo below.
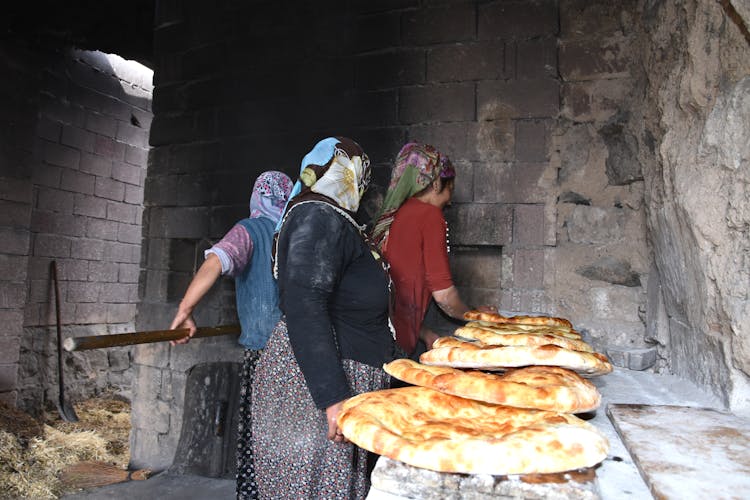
(498, 398)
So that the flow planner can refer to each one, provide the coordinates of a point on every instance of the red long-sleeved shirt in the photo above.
(418, 255)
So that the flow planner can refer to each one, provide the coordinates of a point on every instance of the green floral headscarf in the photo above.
(417, 166)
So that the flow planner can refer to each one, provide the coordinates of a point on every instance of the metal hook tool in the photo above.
(67, 412)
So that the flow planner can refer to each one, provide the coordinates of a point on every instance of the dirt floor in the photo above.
(45, 458)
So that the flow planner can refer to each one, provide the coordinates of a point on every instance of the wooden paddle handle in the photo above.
(120, 339)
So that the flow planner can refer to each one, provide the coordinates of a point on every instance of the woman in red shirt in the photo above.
(411, 232)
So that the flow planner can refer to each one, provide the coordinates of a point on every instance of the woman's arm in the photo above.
(450, 302)
(202, 282)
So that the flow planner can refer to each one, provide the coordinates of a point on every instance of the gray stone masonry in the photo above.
(77, 179)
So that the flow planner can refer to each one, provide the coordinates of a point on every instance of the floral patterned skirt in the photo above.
(246, 487)
(293, 458)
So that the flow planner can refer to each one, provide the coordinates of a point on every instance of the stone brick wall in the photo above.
(525, 96)
(18, 100)
(82, 189)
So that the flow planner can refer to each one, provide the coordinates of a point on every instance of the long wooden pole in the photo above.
(121, 339)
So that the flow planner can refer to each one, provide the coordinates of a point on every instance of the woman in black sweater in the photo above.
(332, 340)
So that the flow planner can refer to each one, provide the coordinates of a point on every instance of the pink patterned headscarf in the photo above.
(270, 194)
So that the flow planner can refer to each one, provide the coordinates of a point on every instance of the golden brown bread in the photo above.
(426, 428)
(489, 336)
(509, 328)
(538, 387)
(521, 319)
(450, 351)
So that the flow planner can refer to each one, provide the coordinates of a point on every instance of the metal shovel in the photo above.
(63, 406)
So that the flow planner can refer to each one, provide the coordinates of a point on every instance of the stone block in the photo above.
(13, 267)
(580, 18)
(17, 190)
(528, 225)
(594, 59)
(46, 245)
(135, 155)
(121, 212)
(122, 252)
(11, 348)
(49, 129)
(532, 141)
(75, 269)
(93, 313)
(536, 98)
(101, 124)
(536, 58)
(467, 62)
(480, 224)
(131, 135)
(62, 112)
(82, 291)
(90, 206)
(476, 267)
(96, 165)
(100, 229)
(510, 183)
(595, 100)
(120, 313)
(119, 359)
(54, 200)
(632, 358)
(127, 173)
(457, 140)
(178, 222)
(371, 108)
(8, 376)
(377, 31)
(391, 477)
(11, 319)
(59, 155)
(104, 272)
(14, 214)
(78, 182)
(129, 233)
(109, 148)
(174, 129)
(77, 138)
(453, 102)
(58, 223)
(128, 273)
(46, 175)
(433, 25)
(109, 189)
(116, 293)
(518, 19)
(595, 225)
(152, 355)
(134, 194)
(390, 69)
(526, 301)
(528, 268)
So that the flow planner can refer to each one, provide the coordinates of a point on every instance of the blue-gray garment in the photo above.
(255, 289)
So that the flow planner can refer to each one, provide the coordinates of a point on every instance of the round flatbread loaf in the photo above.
(562, 331)
(450, 351)
(489, 336)
(429, 429)
(522, 319)
(537, 387)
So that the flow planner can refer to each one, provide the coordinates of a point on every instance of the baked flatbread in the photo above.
(450, 351)
(562, 331)
(539, 387)
(489, 336)
(521, 320)
(426, 428)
